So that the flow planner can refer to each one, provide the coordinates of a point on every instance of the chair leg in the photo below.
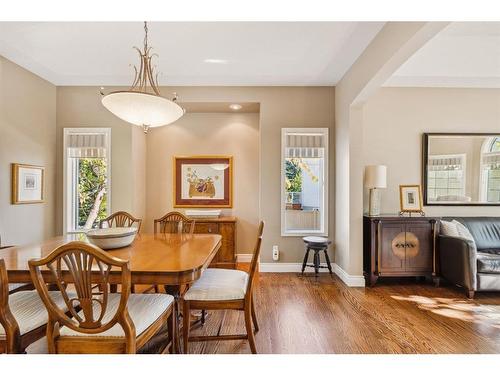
(304, 262)
(203, 316)
(157, 288)
(186, 325)
(171, 331)
(248, 325)
(329, 265)
(316, 263)
(254, 316)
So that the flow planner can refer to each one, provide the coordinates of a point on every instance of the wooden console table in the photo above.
(394, 245)
(226, 227)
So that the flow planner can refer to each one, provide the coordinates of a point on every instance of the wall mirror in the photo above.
(461, 169)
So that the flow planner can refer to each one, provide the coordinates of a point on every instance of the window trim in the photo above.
(326, 177)
(66, 194)
(484, 175)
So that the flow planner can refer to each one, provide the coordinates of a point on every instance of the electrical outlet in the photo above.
(276, 252)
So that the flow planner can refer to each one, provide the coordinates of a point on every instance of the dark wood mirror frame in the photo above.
(425, 161)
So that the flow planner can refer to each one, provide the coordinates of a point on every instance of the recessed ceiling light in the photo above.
(215, 61)
(235, 107)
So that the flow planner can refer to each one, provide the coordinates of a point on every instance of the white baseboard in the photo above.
(349, 280)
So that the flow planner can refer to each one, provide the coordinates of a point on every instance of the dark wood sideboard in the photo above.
(395, 246)
(226, 227)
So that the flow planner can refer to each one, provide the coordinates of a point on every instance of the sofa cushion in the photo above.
(488, 263)
(449, 228)
(485, 230)
(491, 251)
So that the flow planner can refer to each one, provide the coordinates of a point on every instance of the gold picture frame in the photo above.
(203, 199)
(28, 184)
(410, 198)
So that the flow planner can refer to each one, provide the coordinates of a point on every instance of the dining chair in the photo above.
(174, 222)
(121, 219)
(16, 287)
(23, 316)
(224, 289)
(106, 322)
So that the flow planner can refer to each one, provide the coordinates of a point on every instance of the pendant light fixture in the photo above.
(143, 104)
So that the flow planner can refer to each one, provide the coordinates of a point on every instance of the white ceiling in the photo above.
(464, 54)
(258, 53)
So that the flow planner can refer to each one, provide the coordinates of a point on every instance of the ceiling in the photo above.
(464, 54)
(190, 53)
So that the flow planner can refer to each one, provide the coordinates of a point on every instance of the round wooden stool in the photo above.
(317, 244)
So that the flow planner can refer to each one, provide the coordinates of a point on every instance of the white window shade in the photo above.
(87, 145)
(491, 160)
(446, 163)
(304, 146)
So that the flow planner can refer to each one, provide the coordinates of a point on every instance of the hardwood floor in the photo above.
(303, 315)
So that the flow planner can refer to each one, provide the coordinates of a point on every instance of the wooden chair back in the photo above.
(121, 219)
(7, 320)
(87, 268)
(174, 222)
(255, 258)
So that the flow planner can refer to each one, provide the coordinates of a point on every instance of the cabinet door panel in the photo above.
(389, 262)
(419, 247)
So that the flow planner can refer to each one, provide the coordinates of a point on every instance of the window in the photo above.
(446, 178)
(304, 181)
(87, 171)
(490, 170)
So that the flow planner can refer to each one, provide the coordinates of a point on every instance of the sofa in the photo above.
(473, 263)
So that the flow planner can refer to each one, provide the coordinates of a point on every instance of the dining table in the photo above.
(171, 260)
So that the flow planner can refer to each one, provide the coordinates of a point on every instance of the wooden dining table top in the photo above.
(168, 259)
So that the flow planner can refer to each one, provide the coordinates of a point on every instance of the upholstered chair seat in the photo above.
(217, 284)
(29, 310)
(144, 310)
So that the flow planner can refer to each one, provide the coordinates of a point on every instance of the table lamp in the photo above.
(375, 179)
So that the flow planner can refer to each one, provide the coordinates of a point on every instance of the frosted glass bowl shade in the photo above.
(142, 109)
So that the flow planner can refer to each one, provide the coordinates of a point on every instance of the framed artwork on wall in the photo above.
(27, 184)
(410, 198)
(203, 181)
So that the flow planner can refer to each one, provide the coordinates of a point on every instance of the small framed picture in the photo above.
(203, 181)
(410, 198)
(27, 183)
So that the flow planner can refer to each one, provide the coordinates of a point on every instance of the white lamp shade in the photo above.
(375, 176)
(142, 109)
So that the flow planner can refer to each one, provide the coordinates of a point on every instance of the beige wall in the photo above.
(27, 135)
(208, 134)
(394, 120)
(279, 107)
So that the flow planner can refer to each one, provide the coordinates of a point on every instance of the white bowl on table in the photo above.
(112, 238)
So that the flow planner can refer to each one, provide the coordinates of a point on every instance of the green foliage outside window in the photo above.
(92, 197)
(293, 175)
